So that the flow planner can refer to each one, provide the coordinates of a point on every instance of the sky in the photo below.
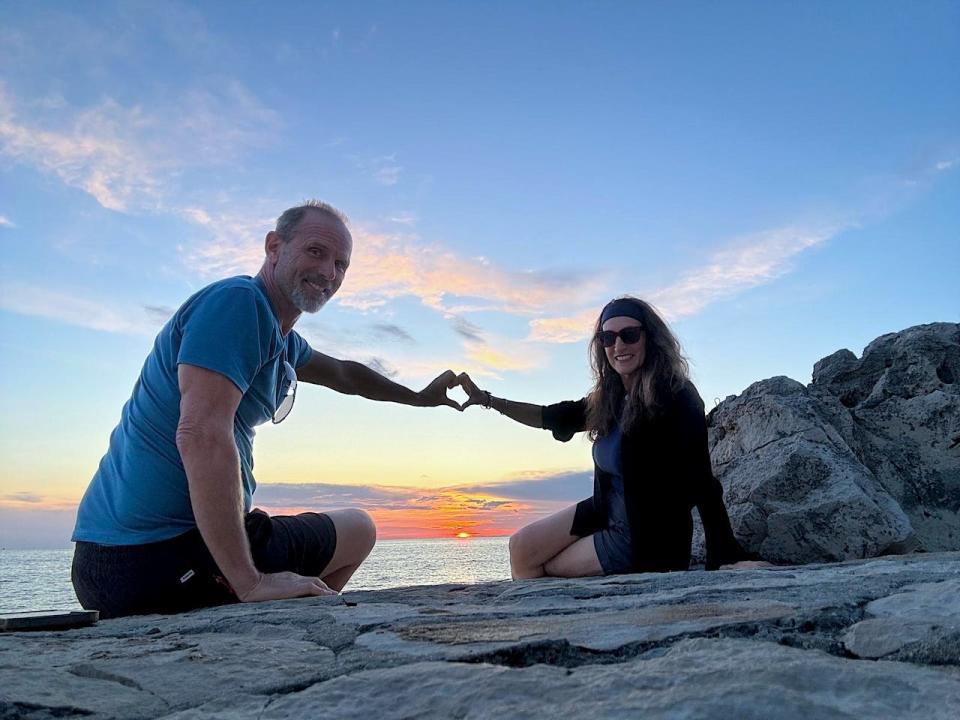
(782, 180)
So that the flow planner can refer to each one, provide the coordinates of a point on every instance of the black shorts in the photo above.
(180, 574)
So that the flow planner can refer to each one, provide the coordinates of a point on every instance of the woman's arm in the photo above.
(524, 413)
(693, 460)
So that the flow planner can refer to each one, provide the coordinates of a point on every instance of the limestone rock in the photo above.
(923, 621)
(862, 462)
(778, 642)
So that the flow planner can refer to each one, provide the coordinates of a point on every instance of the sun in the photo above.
(463, 534)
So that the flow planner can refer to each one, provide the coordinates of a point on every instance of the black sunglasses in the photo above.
(629, 335)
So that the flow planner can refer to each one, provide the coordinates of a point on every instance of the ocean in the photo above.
(40, 579)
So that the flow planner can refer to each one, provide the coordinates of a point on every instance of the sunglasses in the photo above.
(629, 335)
(290, 394)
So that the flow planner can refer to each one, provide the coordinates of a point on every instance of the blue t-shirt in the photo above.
(139, 493)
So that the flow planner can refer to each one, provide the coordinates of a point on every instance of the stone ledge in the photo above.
(868, 638)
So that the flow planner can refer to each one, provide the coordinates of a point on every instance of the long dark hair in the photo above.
(663, 373)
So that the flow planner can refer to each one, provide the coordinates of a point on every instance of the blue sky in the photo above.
(781, 179)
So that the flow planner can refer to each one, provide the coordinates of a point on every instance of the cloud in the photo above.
(413, 512)
(130, 158)
(392, 331)
(73, 310)
(404, 218)
(389, 266)
(566, 486)
(518, 356)
(6, 222)
(947, 164)
(383, 169)
(381, 366)
(388, 174)
(534, 486)
(467, 329)
(35, 528)
(235, 244)
(23, 497)
(757, 260)
(569, 329)
(752, 261)
(159, 314)
(332, 496)
(97, 154)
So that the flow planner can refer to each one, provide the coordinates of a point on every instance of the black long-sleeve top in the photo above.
(666, 472)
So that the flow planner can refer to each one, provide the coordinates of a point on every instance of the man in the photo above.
(165, 524)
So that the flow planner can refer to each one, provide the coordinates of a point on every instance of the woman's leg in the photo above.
(546, 547)
(576, 560)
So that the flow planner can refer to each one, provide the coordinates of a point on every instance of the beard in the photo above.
(305, 299)
(305, 302)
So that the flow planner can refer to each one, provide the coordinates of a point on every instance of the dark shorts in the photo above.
(180, 574)
(614, 550)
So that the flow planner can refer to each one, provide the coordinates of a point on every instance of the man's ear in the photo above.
(271, 246)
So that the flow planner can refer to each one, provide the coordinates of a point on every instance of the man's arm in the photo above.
(208, 403)
(353, 378)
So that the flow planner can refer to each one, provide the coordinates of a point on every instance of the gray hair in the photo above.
(291, 217)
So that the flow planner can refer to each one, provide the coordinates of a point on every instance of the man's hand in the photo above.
(435, 393)
(746, 565)
(283, 585)
(476, 395)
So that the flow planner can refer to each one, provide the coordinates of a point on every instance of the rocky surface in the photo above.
(863, 461)
(870, 638)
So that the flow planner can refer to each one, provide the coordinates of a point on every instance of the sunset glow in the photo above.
(463, 534)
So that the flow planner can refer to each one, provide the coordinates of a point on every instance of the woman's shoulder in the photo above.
(686, 399)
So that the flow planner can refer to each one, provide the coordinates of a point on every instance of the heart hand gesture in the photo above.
(435, 393)
(475, 395)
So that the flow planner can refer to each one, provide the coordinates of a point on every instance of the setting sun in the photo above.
(463, 534)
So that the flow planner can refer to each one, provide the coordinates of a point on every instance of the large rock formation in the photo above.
(786, 643)
(863, 461)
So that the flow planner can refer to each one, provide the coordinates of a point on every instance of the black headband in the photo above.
(621, 308)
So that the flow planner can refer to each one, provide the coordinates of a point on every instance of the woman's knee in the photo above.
(520, 546)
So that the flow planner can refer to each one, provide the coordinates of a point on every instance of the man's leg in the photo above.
(356, 535)
(546, 547)
(330, 545)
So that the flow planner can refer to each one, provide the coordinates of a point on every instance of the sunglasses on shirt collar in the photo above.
(289, 395)
(629, 335)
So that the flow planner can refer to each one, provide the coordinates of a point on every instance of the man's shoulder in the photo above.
(230, 304)
(240, 288)
(237, 283)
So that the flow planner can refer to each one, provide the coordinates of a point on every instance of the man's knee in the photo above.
(356, 527)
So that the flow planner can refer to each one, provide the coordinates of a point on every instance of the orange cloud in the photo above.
(385, 267)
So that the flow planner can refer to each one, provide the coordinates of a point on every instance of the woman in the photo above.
(651, 463)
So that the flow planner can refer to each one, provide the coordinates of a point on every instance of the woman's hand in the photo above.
(435, 393)
(476, 395)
